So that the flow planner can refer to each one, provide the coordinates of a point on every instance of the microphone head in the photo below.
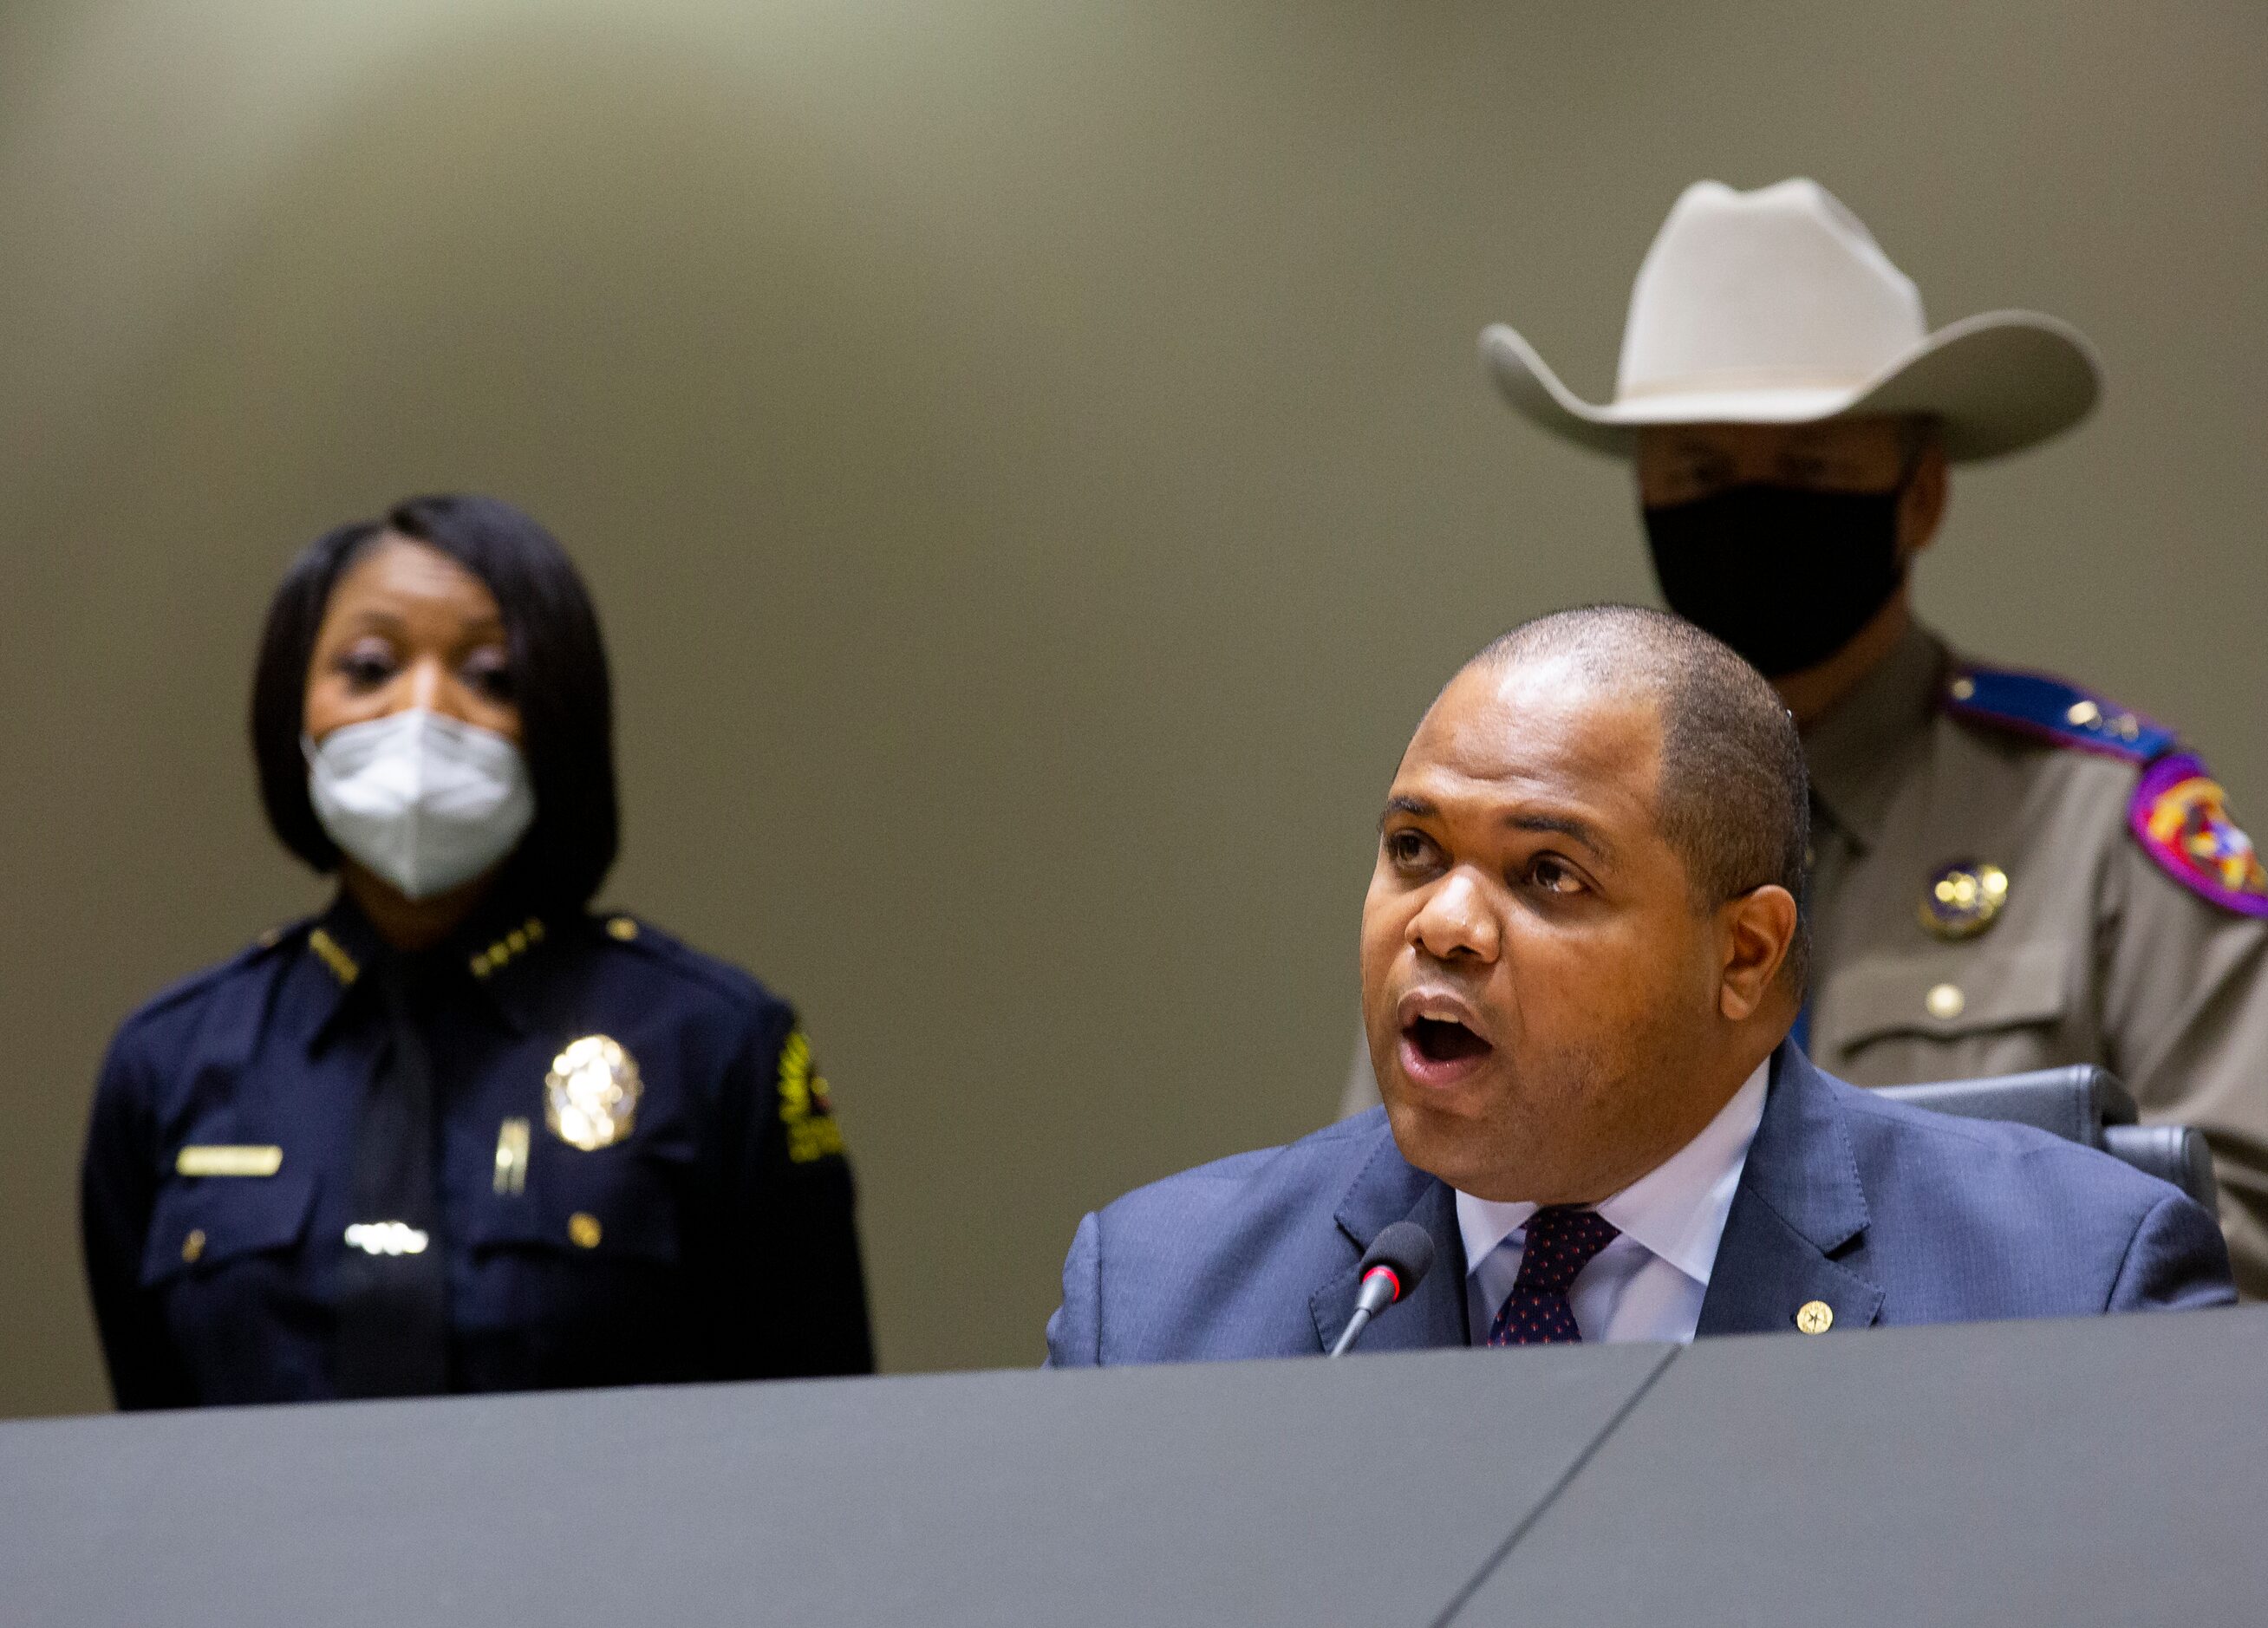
(1405, 1249)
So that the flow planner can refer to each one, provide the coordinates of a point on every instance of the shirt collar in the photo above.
(1856, 750)
(492, 949)
(1676, 1211)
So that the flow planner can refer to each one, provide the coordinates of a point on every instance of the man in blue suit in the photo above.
(1582, 956)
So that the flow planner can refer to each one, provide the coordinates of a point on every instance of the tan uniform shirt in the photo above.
(2097, 955)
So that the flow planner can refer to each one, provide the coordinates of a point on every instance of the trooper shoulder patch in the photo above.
(2180, 814)
(2049, 709)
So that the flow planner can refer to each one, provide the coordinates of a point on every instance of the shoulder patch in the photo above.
(2048, 709)
(805, 1107)
(2181, 815)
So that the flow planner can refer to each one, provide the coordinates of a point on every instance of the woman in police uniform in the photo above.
(457, 1133)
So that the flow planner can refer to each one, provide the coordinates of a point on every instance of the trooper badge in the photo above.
(1963, 899)
(590, 1095)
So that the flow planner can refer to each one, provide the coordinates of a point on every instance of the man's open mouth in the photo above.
(1444, 1040)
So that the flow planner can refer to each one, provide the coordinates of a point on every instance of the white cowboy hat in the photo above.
(1778, 306)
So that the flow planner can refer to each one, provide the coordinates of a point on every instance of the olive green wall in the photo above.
(1033, 467)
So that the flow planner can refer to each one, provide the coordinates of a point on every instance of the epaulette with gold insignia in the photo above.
(2049, 709)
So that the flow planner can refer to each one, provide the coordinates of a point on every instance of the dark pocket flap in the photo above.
(615, 1203)
(1948, 992)
(204, 1222)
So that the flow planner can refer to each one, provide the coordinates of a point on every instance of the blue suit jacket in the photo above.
(1889, 1214)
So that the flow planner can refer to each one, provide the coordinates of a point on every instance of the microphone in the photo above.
(1395, 1262)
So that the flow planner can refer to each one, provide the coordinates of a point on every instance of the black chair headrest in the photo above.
(2075, 1102)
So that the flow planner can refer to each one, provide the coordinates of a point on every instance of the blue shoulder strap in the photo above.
(2178, 812)
(2050, 710)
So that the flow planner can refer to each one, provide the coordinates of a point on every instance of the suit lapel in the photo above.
(1388, 1190)
(1799, 1204)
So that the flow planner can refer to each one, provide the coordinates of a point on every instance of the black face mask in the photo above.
(1783, 574)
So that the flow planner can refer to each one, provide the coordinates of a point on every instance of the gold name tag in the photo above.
(219, 1160)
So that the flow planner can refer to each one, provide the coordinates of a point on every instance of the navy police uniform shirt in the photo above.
(638, 1175)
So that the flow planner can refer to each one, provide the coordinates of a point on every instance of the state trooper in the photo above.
(2009, 872)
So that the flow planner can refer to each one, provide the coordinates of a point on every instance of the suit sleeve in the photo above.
(2177, 1260)
(2185, 997)
(118, 1189)
(1075, 1331)
(789, 1294)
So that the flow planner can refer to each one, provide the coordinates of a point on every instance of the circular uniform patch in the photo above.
(1963, 899)
(2181, 815)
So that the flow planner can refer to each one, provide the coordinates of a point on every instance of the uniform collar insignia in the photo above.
(341, 949)
(497, 948)
(508, 947)
(491, 948)
(344, 942)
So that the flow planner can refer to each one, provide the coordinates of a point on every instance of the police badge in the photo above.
(590, 1095)
(1963, 899)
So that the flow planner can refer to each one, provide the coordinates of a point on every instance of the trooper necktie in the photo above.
(393, 1312)
(1561, 1241)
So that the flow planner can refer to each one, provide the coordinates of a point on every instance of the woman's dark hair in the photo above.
(559, 680)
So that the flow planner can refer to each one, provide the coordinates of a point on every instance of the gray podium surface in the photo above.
(2113, 1471)
(1280, 1493)
(2109, 1472)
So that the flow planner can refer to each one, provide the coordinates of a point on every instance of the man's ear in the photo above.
(1759, 928)
(1921, 508)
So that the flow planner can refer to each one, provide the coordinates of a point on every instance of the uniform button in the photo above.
(194, 1245)
(584, 1228)
(2083, 714)
(621, 927)
(1815, 1317)
(1963, 689)
(1945, 1001)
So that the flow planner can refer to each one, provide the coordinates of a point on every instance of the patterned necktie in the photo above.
(394, 1311)
(1561, 1241)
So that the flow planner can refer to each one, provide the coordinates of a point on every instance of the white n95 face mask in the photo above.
(424, 801)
